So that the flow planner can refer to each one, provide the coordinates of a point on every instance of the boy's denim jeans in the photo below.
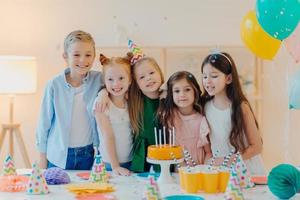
(80, 158)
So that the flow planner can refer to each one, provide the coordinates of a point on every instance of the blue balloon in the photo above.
(278, 18)
(294, 91)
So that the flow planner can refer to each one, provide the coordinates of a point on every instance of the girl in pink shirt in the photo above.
(182, 110)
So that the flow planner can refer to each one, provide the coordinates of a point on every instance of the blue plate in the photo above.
(183, 197)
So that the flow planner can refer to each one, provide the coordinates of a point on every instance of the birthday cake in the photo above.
(164, 152)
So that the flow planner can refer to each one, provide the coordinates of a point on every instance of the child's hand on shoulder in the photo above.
(163, 91)
(101, 101)
(121, 171)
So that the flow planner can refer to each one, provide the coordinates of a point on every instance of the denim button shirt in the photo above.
(56, 114)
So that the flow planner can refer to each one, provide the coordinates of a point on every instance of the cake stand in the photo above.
(165, 175)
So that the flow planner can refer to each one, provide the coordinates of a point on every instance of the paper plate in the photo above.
(96, 197)
(259, 180)
(183, 197)
(14, 183)
(84, 175)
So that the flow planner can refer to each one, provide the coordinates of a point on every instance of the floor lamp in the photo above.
(17, 76)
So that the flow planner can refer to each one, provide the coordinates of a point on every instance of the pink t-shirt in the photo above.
(191, 134)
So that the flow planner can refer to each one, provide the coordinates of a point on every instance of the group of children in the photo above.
(119, 124)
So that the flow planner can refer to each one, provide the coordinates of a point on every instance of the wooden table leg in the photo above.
(2, 136)
(22, 147)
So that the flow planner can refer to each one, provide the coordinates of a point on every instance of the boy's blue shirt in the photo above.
(56, 114)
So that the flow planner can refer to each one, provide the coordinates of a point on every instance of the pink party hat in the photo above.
(136, 51)
(37, 183)
(233, 190)
(98, 173)
(152, 190)
(243, 174)
(9, 166)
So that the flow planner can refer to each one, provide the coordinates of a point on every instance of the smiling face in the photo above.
(117, 80)
(214, 81)
(80, 57)
(183, 94)
(148, 78)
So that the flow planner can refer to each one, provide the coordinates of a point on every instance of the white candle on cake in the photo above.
(173, 136)
(155, 135)
(170, 138)
(165, 140)
(159, 137)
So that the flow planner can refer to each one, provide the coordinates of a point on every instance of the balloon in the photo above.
(294, 91)
(292, 44)
(279, 18)
(256, 39)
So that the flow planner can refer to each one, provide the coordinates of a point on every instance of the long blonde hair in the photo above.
(136, 103)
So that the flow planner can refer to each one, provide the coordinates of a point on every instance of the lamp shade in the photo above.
(18, 75)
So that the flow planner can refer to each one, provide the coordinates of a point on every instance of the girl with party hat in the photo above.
(143, 103)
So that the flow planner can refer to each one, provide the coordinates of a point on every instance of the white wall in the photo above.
(37, 28)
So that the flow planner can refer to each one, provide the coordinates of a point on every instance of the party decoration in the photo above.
(294, 91)
(256, 39)
(284, 181)
(233, 190)
(152, 190)
(13, 183)
(292, 44)
(56, 176)
(89, 188)
(136, 51)
(278, 18)
(243, 173)
(9, 166)
(37, 183)
(98, 173)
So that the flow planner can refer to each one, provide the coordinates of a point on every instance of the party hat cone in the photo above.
(233, 190)
(37, 183)
(243, 174)
(98, 173)
(9, 166)
(152, 190)
(136, 51)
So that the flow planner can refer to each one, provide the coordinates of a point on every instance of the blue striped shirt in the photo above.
(55, 121)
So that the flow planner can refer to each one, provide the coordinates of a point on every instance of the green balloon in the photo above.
(278, 18)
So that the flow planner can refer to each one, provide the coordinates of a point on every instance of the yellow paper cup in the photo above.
(211, 180)
(224, 174)
(201, 169)
(181, 177)
(191, 180)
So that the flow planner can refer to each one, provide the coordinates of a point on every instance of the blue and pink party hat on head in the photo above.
(136, 51)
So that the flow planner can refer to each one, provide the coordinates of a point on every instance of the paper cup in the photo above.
(192, 180)
(211, 181)
(224, 174)
(181, 177)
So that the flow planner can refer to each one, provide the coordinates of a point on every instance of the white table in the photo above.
(130, 188)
